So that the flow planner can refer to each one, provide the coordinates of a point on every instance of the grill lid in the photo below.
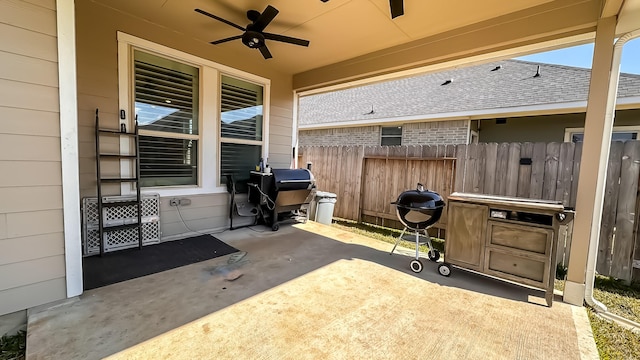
(292, 179)
(419, 199)
(420, 208)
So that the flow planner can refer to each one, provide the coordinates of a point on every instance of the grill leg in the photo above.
(417, 245)
(397, 241)
(426, 234)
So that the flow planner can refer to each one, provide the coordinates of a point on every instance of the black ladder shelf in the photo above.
(102, 229)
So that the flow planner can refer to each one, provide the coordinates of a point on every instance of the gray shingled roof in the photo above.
(472, 88)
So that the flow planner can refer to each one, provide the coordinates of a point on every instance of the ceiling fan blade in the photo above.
(397, 8)
(225, 40)
(286, 39)
(265, 18)
(220, 19)
(265, 52)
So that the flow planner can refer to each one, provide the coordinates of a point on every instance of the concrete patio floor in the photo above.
(310, 291)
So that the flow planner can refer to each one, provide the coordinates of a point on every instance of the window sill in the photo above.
(183, 190)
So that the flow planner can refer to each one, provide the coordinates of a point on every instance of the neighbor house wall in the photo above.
(419, 133)
(546, 128)
(97, 49)
(32, 263)
(435, 133)
(360, 135)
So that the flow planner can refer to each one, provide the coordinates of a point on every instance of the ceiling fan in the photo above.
(254, 36)
(397, 7)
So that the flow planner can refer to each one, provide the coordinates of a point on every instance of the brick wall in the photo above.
(363, 135)
(435, 133)
(425, 133)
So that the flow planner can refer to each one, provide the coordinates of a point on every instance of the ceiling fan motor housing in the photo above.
(253, 39)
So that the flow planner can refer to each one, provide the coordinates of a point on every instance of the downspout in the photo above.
(610, 113)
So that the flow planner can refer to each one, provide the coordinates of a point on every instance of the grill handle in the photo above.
(416, 208)
(293, 181)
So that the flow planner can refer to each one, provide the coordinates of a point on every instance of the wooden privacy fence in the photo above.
(528, 170)
(367, 178)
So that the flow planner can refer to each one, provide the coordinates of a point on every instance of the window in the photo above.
(391, 135)
(240, 127)
(166, 102)
(620, 133)
(197, 119)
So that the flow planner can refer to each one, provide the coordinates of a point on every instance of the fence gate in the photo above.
(386, 176)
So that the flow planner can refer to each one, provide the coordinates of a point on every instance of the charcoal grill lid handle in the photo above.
(293, 181)
(420, 187)
(420, 207)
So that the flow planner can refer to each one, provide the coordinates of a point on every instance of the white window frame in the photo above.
(568, 132)
(474, 137)
(209, 161)
(229, 140)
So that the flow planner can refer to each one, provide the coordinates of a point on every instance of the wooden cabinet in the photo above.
(510, 238)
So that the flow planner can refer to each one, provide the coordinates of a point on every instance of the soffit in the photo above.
(338, 29)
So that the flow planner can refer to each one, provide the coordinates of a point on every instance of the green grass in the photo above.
(620, 299)
(386, 234)
(612, 340)
(13, 347)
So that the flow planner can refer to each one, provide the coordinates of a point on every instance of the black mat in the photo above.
(129, 264)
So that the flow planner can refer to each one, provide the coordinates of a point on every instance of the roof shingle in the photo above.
(472, 88)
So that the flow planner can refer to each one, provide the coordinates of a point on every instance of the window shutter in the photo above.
(166, 99)
(241, 107)
(168, 161)
(238, 160)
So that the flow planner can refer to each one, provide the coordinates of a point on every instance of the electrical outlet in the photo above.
(185, 202)
(174, 202)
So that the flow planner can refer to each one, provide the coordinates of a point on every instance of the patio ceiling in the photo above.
(357, 38)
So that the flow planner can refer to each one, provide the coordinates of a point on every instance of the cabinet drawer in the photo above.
(516, 267)
(527, 238)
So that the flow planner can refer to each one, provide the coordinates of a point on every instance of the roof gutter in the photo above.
(593, 245)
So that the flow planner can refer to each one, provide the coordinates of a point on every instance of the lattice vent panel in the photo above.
(118, 215)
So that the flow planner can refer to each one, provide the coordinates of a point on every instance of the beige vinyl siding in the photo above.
(545, 128)
(32, 265)
(27, 296)
(97, 53)
(205, 212)
(280, 127)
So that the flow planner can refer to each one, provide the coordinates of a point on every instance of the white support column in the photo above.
(593, 167)
(65, 13)
(294, 132)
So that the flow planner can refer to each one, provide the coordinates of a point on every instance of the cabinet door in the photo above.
(467, 224)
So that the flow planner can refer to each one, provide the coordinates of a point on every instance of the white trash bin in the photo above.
(325, 202)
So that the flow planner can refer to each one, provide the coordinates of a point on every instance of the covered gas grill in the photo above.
(280, 193)
(418, 210)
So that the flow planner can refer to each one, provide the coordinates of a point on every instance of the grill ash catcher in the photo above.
(418, 210)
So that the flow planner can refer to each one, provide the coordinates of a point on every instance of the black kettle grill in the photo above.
(418, 210)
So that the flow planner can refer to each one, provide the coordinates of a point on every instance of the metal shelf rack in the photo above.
(134, 180)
